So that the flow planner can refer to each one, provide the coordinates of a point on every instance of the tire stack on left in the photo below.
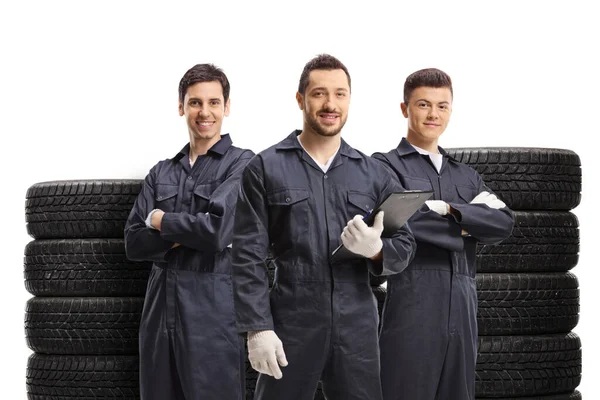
(83, 322)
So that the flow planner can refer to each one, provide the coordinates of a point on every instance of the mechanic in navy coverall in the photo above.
(298, 198)
(428, 336)
(183, 220)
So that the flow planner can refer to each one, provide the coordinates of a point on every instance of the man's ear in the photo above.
(180, 108)
(227, 104)
(404, 109)
(300, 100)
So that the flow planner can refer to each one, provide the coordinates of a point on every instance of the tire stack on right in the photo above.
(528, 301)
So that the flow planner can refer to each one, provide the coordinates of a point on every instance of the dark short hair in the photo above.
(430, 77)
(322, 61)
(203, 73)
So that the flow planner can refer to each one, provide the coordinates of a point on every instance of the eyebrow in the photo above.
(427, 101)
(198, 99)
(324, 88)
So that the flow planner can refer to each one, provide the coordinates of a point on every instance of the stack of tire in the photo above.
(83, 320)
(528, 299)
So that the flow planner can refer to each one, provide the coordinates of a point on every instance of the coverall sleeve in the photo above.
(210, 231)
(141, 242)
(249, 253)
(487, 225)
(430, 227)
(398, 249)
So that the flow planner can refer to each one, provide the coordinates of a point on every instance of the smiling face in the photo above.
(325, 101)
(204, 109)
(428, 112)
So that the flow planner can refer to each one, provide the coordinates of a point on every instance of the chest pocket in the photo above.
(466, 193)
(414, 183)
(202, 194)
(288, 212)
(166, 197)
(359, 204)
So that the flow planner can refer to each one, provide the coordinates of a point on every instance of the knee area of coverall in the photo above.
(300, 377)
(157, 359)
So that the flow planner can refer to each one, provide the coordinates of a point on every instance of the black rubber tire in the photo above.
(319, 395)
(270, 271)
(377, 280)
(83, 267)
(380, 293)
(83, 325)
(541, 241)
(521, 366)
(80, 209)
(251, 378)
(563, 396)
(525, 304)
(56, 377)
(527, 178)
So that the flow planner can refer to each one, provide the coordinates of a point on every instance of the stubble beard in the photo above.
(324, 131)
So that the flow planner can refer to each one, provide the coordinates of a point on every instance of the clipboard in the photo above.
(398, 207)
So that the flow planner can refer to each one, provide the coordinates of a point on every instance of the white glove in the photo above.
(362, 239)
(488, 199)
(149, 218)
(479, 199)
(439, 206)
(265, 351)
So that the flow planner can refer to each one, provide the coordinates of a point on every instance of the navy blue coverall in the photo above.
(189, 346)
(324, 313)
(428, 337)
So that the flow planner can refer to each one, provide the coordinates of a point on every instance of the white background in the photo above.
(89, 90)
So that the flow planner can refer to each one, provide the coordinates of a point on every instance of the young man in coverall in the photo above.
(428, 336)
(183, 220)
(320, 319)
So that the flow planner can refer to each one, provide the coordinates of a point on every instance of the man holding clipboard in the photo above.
(319, 321)
(398, 207)
(428, 336)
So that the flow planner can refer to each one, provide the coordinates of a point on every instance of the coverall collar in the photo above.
(291, 142)
(219, 148)
(405, 148)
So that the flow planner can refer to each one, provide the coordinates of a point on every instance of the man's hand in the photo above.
(157, 217)
(489, 199)
(479, 199)
(439, 206)
(265, 353)
(362, 239)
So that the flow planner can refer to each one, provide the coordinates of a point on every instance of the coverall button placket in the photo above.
(171, 290)
(451, 323)
(189, 186)
(326, 213)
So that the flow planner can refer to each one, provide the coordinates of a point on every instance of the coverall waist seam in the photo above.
(195, 270)
(463, 274)
(321, 281)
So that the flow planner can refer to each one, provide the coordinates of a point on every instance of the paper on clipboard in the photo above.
(398, 207)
